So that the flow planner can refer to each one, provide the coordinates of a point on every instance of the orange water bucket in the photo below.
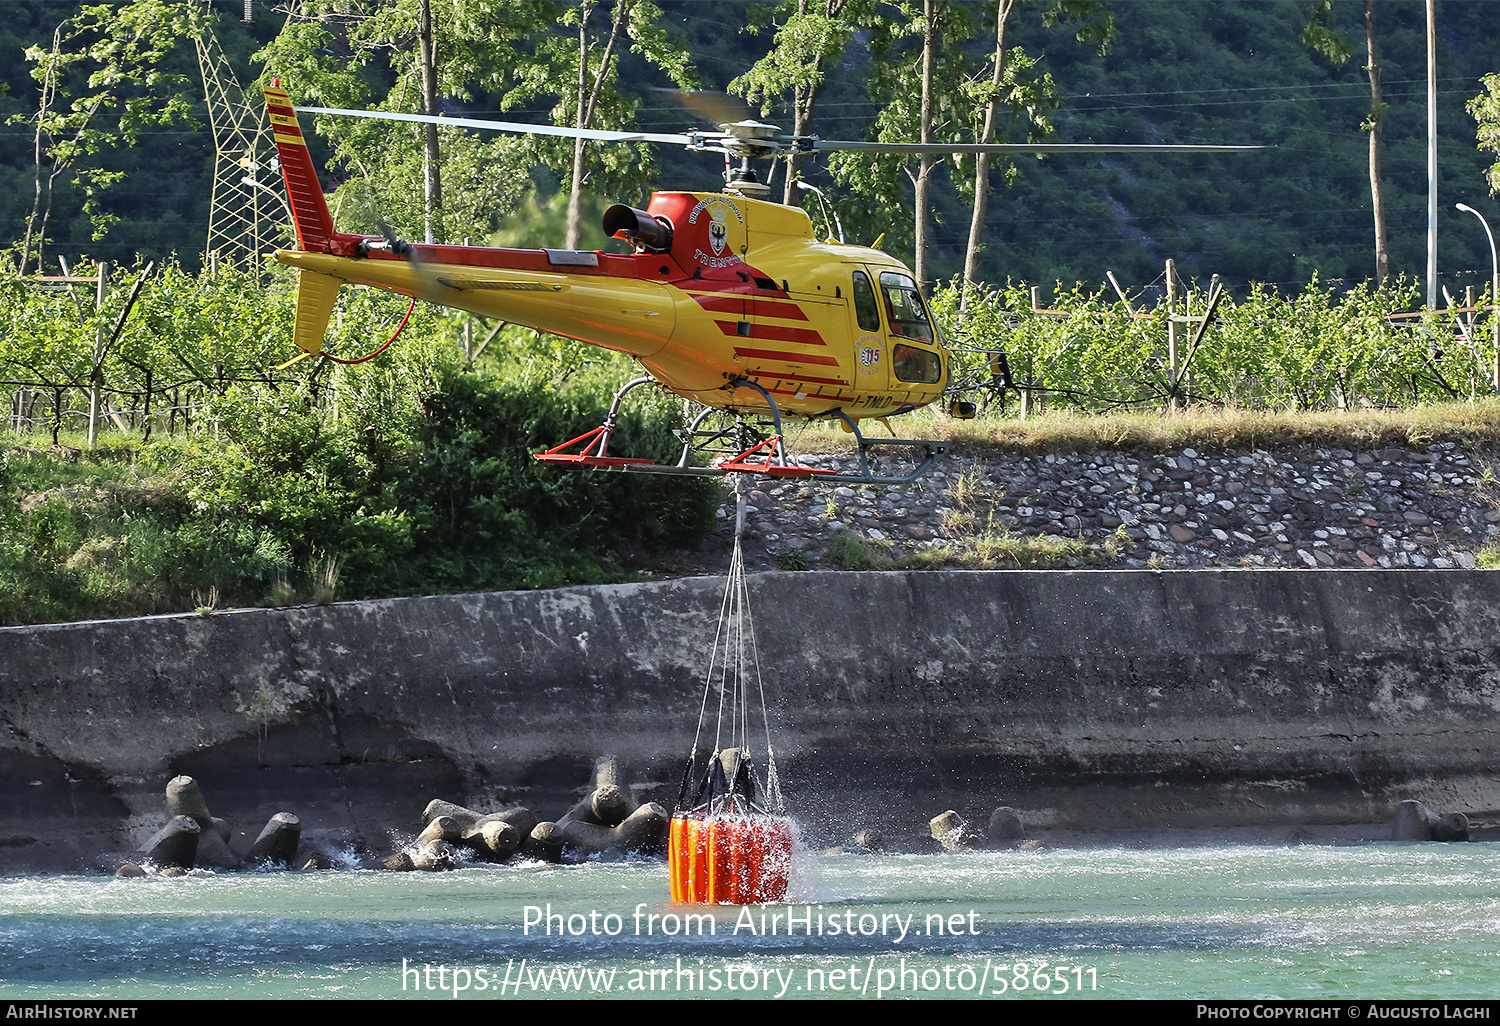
(729, 859)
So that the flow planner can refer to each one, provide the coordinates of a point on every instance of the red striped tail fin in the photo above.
(315, 229)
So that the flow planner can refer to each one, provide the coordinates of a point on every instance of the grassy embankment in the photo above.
(1472, 423)
(274, 506)
(134, 528)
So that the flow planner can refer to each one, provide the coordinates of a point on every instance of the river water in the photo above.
(1374, 921)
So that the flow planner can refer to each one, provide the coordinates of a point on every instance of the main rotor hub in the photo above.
(750, 130)
(750, 141)
(744, 181)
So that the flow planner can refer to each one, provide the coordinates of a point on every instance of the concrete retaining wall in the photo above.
(1086, 699)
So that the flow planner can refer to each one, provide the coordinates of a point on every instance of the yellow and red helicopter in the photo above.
(728, 300)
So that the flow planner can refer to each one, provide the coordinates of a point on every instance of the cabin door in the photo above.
(872, 357)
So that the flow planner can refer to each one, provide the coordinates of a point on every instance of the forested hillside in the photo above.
(1173, 71)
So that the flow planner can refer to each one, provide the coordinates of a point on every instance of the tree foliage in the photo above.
(932, 87)
(101, 84)
(1486, 111)
(811, 35)
(919, 63)
(1226, 71)
(578, 65)
(1014, 86)
(367, 55)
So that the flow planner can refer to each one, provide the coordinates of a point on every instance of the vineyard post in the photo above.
(96, 377)
(1120, 292)
(103, 341)
(1172, 331)
(1469, 320)
(1025, 390)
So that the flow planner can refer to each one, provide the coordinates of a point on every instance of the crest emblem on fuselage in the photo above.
(719, 210)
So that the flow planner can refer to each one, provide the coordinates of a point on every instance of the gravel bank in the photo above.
(1323, 508)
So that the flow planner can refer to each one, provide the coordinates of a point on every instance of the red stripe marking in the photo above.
(804, 377)
(773, 333)
(794, 393)
(756, 307)
(771, 354)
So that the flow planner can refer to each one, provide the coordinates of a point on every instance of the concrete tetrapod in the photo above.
(175, 844)
(606, 823)
(185, 798)
(449, 830)
(1414, 821)
(278, 841)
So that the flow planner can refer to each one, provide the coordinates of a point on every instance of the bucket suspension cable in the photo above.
(728, 781)
(729, 840)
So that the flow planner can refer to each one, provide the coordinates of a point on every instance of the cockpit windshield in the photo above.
(904, 308)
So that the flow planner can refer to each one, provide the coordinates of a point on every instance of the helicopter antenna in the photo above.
(821, 202)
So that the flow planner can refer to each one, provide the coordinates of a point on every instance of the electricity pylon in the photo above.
(245, 215)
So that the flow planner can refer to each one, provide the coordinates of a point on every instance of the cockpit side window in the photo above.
(865, 310)
(904, 308)
(913, 363)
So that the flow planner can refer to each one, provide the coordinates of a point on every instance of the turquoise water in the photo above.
(1416, 921)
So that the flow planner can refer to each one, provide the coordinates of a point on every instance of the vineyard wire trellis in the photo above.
(160, 358)
(1324, 348)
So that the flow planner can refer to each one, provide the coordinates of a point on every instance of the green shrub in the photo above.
(289, 501)
(487, 512)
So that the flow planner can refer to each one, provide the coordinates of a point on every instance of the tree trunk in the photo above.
(37, 217)
(982, 160)
(1377, 117)
(575, 190)
(924, 167)
(431, 161)
(588, 98)
(802, 105)
(802, 112)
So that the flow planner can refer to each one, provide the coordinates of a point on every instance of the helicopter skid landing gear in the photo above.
(596, 439)
(772, 450)
(741, 446)
(935, 451)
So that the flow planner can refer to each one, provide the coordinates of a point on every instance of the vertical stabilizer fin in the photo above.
(314, 224)
(315, 297)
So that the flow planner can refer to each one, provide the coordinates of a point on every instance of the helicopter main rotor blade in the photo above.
(593, 134)
(757, 141)
(713, 106)
(878, 147)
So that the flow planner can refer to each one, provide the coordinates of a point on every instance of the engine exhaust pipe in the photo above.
(638, 228)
